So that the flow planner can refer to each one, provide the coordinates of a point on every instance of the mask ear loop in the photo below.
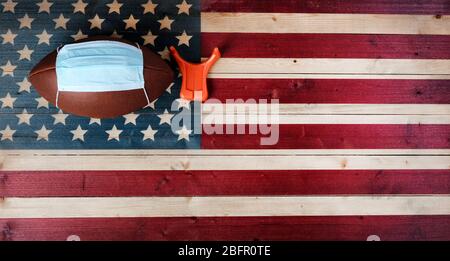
(146, 97)
(143, 88)
(57, 98)
(57, 90)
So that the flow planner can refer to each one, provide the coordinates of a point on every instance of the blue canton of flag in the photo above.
(30, 29)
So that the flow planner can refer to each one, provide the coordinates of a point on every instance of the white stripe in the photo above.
(329, 108)
(255, 152)
(252, 113)
(223, 160)
(208, 119)
(324, 23)
(245, 66)
(223, 206)
(326, 76)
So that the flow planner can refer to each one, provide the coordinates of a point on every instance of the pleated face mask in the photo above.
(99, 66)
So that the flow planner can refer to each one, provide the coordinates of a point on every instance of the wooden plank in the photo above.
(229, 22)
(237, 183)
(262, 45)
(195, 152)
(230, 228)
(432, 7)
(352, 136)
(328, 109)
(302, 108)
(290, 108)
(214, 119)
(333, 91)
(222, 160)
(328, 76)
(223, 206)
(252, 113)
(61, 138)
(245, 66)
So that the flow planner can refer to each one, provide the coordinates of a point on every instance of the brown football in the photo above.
(157, 75)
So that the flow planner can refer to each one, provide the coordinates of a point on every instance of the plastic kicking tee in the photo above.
(194, 86)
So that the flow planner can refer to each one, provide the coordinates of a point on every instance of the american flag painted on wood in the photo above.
(363, 151)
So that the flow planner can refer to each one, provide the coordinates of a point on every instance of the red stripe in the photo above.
(198, 183)
(327, 46)
(231, 228)
(333, 90)
(434, 7)
(343, 136)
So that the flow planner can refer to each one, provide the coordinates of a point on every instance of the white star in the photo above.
(96, 22)
(24, 86)
(44, 6)
(184, 8)
(78, 36)
(114, 7)
(7, 133)
(184, 38)
(149, 133)
(183, 103)
(184, 133)
(24, 117)
(25, 21)
(166, 23)
(78, 133)
(9, 6)
(7, 101)
(131, 118)
(8, 37)
(43, 133)
(25, 53)
(79, 6)
(149, 38)
(131, 22)
(42, 102)
(95, 121)
(60, 118)
(44, 37)
(149, 7)
(8, 69)
(166, 117)
(165, 54)
(114, 134)
(61, 21)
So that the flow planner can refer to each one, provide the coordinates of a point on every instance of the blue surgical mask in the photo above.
(99, 66)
